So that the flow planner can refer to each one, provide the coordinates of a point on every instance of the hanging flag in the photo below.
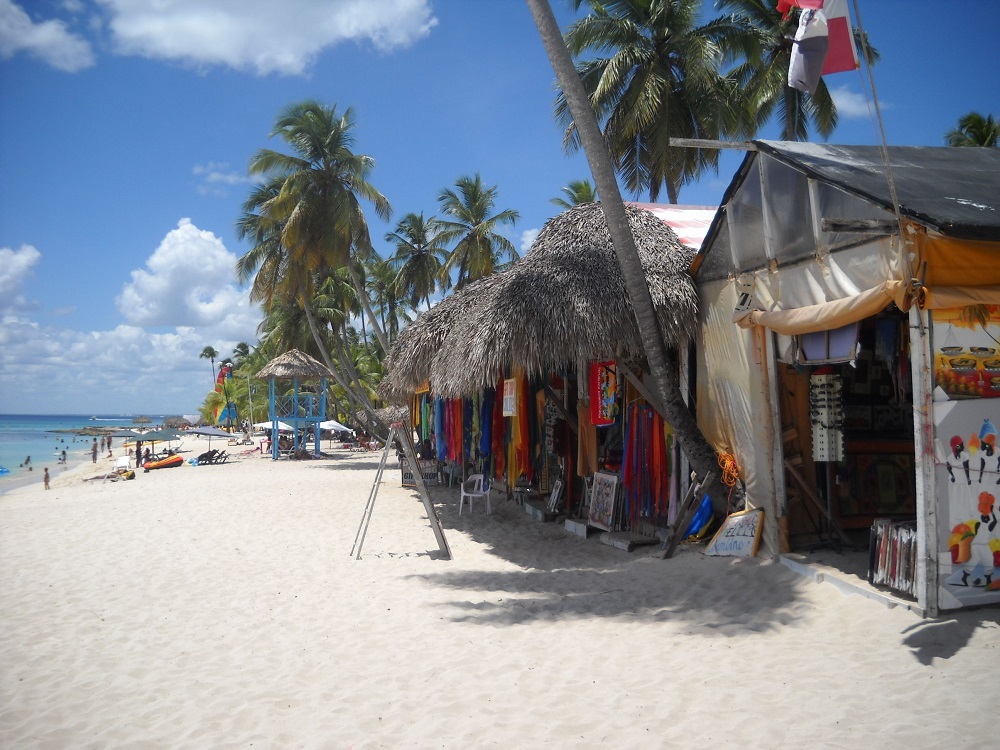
(842, 55)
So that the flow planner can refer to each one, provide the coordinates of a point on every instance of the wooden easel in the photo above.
(684, 515)
(396, 432)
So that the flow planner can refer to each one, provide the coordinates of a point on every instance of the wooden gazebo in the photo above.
(303, 410)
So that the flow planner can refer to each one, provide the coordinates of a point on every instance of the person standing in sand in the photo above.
(93, 451)
(46, 477)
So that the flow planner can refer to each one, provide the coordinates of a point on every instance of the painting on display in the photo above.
(967, 353)
(967, 462)
(603, 393)
(602, 501)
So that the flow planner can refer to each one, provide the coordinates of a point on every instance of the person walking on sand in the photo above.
(93, 451)
(46, 478)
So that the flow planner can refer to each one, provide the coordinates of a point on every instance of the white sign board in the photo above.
(739, 535)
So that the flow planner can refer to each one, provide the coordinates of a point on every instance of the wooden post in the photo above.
(406, 440)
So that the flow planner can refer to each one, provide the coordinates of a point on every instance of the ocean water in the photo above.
(40, 436)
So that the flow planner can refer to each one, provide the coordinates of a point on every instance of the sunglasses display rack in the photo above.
(826, 412)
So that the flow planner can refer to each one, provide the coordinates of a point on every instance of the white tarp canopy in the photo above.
(333, 424)
(269, 425)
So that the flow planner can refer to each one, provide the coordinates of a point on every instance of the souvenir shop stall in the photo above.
(847, 354)
(613, 468)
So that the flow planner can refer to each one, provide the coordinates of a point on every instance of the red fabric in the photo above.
(785, 6)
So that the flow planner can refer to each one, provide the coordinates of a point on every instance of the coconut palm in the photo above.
(975, 130)
(663, 371)
(381, 282)
(305, 219)
(577, 192)
(652, 73)
(240, 352)
(318, 207)
(420, 256)
(471, 224)
(209, 353)
(762, 72)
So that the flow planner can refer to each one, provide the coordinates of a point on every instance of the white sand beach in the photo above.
(219, 607)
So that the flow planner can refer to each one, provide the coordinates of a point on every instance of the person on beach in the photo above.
(93, 451)
(109, 447)
(46, 477)
(62, 459)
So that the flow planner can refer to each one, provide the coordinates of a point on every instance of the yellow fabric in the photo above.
(959, 263)
(827, 315)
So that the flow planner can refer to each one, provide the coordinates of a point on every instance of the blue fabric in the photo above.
(440, 441)
(701, 518)
(486, 422)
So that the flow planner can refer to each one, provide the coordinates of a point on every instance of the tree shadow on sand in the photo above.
(565, 577)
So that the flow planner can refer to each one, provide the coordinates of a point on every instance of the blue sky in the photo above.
(126, 127)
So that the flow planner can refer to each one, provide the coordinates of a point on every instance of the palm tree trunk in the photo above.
(699, 452)
(361, 398)
(363, 296)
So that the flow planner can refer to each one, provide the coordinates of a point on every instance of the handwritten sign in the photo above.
(739, 535)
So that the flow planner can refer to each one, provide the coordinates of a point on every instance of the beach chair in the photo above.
(475, 487)
(208, 457)
(123, 462)
(221, 457)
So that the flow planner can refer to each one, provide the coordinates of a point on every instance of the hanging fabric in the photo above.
(809, 49)
(603, 387)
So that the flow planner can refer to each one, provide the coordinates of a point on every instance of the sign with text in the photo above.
(428, 469)
(739, 535)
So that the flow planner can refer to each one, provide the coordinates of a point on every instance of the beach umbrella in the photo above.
(209, 432)
(282, 426)
(165, 435)
(333, 424)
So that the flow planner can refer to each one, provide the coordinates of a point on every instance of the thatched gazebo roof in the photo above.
(564, 303)
(294, 364)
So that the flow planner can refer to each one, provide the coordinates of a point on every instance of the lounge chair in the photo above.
(208, 457)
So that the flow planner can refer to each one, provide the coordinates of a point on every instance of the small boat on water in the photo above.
(164, 463)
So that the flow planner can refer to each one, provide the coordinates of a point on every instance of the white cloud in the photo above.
(527, 237)
(50, 41)
(214, 177)
(188, 281)
(187, 291)
(261, 35)
(850, 104)
(15, 267)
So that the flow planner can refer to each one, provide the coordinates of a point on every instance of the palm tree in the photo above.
(762, 72)
(578, 191)
(209, 353)
(383, 289)
(317, 207)
(689, 436)
(240, 352)
(975, 130)
(420, 256)
(305, 219)
(471, 224)
(659, 80)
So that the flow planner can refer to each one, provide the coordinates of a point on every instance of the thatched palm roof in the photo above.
(293, 364)
(564, 303)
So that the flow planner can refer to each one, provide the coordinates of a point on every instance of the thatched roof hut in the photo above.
(564, 303)
(292, 365)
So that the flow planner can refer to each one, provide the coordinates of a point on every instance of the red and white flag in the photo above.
(841, 55)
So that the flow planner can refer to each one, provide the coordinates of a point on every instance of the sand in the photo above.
(219, 606)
